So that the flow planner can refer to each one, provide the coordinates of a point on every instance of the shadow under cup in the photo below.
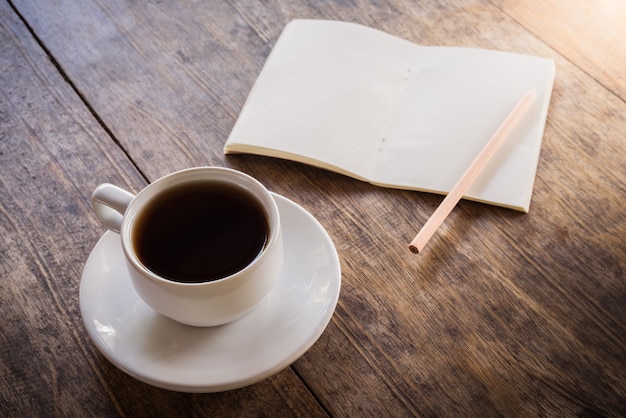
(203, 246)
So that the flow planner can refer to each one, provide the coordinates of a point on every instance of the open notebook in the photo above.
(378, 108)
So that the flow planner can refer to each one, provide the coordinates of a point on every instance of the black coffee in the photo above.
(200, 232)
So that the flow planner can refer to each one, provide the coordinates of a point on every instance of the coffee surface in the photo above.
(200, 232)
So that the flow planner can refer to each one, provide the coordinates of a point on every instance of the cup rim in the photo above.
(265, 197)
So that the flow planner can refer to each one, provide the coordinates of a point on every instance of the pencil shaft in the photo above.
(471, 173)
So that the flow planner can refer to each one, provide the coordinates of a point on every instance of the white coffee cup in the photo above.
(206, 303)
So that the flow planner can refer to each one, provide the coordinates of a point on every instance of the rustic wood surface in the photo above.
(503, 314)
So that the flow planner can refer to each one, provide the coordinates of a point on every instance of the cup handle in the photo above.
(109, 202)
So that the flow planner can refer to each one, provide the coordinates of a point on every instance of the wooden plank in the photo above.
(589, 33)
(505, 314)
(53, 153)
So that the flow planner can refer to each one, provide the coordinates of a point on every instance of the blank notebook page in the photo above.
(384, 110)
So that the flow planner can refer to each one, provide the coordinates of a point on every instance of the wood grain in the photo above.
(53, 153)
(504, 314)
(589, 33)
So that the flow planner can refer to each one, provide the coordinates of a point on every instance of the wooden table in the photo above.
(504, 314)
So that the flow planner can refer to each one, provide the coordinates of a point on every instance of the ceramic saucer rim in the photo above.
(289, 357)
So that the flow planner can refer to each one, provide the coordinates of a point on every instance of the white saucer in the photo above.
(164, 353)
